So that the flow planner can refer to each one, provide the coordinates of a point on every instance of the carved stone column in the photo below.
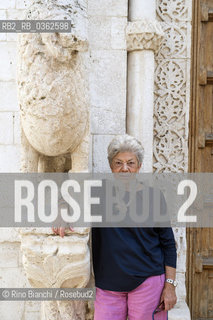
(144, 35)
(55, 137)
(171, 115)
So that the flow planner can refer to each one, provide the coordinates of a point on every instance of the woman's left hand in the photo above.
(168, 296)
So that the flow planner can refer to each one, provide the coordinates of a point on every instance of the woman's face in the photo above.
(125, 162)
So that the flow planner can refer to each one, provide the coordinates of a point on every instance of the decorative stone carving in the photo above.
(171, 114)
(46, 261)
(54, 262)
(175, 42)
(144, 35)
(172, 92)
(176, 10)
(53, 88)
(169, 125)
(55, 137)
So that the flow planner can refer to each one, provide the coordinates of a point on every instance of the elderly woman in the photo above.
(134, 268)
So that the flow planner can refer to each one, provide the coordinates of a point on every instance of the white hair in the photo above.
(125, 143)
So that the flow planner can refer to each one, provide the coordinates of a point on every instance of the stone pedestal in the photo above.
(54, 262)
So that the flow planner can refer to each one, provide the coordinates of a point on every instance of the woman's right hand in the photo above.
(61, 230)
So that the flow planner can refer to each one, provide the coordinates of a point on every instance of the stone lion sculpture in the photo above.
(53, 90)
(54, 117)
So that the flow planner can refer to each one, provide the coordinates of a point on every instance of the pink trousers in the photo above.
(138, 304)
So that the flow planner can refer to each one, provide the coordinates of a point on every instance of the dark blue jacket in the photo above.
(124, 257)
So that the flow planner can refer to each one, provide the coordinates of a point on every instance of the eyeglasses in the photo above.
(119, 164)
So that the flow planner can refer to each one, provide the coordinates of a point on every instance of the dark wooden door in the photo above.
(200, 240)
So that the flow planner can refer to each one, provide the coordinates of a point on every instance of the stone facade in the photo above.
(107, 53)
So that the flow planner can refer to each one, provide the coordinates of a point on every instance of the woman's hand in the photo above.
(61, 231)
(168, 296)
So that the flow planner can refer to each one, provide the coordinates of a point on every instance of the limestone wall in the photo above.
(9, 121)
(11, 270)
(108, 54)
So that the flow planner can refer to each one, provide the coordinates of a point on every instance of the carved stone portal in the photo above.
(55, 136)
